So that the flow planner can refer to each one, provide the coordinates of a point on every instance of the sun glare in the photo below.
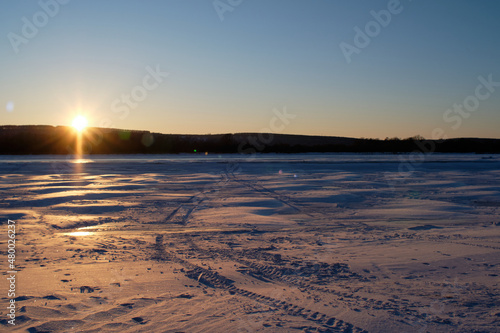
(79, 123)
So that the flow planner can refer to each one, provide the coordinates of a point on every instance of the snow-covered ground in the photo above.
(265, 243)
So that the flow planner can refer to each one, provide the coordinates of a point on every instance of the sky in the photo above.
(372, 69)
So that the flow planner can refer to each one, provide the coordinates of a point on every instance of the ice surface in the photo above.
(265, 243)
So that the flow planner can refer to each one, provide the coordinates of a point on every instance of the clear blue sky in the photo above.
(227, 76)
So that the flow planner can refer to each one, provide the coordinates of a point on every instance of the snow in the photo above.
(264, 243)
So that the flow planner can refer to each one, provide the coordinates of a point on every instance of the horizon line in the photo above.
(285, 134)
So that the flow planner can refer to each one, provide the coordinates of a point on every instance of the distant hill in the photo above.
(41, 139)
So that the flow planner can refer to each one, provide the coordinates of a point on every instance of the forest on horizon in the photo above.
(45, 139)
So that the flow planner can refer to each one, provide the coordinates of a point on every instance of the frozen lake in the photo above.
(295, 163)
(264, 243)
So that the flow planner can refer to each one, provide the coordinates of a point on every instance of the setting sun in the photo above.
(79, 123)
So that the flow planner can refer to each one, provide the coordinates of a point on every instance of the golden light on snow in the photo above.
(79, 123)
(79, 233)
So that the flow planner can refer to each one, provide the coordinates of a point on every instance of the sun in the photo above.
(79, 123)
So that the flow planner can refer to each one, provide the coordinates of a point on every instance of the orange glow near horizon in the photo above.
(78, 151)
(79, 124)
